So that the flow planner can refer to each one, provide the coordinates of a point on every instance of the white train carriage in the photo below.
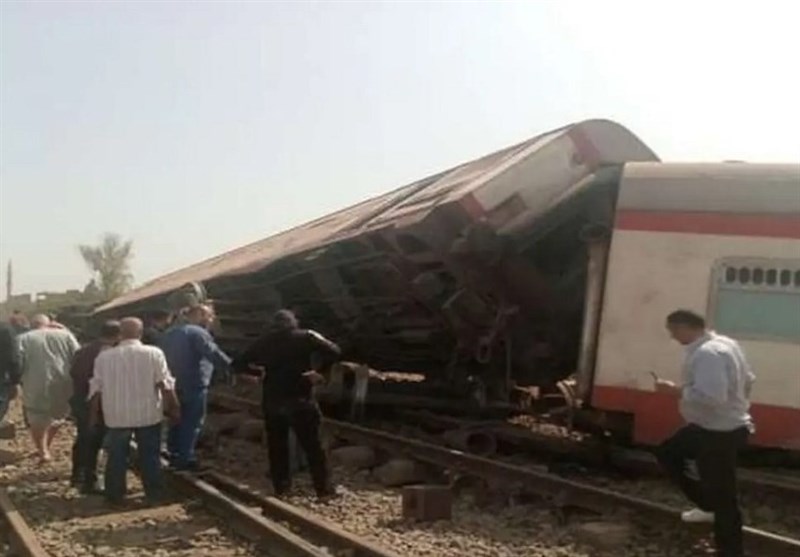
(720, 239)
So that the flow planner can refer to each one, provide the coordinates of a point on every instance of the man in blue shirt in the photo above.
(192, 355)
(714, 402)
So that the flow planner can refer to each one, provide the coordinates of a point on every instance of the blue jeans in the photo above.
(148, 441)
(182, 438)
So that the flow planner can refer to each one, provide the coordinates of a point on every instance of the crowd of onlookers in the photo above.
(122, 385)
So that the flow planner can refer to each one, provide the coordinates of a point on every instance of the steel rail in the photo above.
(278, 540)
(22, 538)
(563, 491)
(326, 533)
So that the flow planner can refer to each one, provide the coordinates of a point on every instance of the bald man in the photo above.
(45, 354)
(133, 389)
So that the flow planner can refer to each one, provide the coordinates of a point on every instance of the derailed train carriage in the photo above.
(547, 267)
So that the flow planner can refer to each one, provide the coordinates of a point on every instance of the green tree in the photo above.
(110, 261)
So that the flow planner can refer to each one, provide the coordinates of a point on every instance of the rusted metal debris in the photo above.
(475, 276)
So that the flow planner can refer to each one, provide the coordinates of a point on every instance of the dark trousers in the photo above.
(715, 491)
(304, 418)
(182, 438)
(87, 445)
(5, 398)
(148, 447)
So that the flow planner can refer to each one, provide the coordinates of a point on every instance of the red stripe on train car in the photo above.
(723, 224)
(656, 417)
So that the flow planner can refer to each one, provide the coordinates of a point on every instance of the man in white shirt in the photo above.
(134, 389)
(714, 402)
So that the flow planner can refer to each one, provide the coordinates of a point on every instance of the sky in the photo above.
(196, 127)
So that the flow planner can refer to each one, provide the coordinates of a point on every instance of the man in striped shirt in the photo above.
(134, 389)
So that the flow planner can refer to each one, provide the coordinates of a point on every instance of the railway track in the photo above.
(593, 454)
(284, 529)
(20, 537)
(564, 493)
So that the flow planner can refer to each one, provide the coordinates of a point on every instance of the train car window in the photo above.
(757, 299)
(772, 277)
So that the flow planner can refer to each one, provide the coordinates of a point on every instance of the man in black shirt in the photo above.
(285, 352)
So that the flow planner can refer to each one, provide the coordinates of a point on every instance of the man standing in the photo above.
(286, 353)
(45, 354)
(133, 388)
(158, 322)
(714, 403)
(9, 368)
(89, 439)
(192, 354)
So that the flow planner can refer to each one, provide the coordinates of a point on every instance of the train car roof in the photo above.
(599, 142)
(728, 187)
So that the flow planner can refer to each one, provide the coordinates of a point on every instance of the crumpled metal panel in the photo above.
(579, 148)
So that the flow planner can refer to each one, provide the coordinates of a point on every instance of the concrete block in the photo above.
(427, 502)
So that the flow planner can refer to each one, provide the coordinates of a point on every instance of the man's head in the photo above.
(686, 326)
(18, 320)
(160, 318)
(131, 328)
(40, 321)
(284, 320)
(201, 315)
(110, 332)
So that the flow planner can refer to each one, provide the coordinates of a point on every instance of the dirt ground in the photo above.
(69, 524)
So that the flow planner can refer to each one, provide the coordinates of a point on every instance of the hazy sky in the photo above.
(193, 128)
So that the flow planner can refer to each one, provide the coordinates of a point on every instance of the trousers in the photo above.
(182, 438)
(715, 454)
(5, 398)
(303, 418)
(87, 445)
(148, 446)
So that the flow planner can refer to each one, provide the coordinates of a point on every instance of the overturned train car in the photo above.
(547, 267)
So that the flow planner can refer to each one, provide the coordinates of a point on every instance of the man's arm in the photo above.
(324, 353)
(95, 407)
(165, 383)
(246, 363)
(203, 342)
(750, 377)
(95, 392)
(72, 345)
(327, 352)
